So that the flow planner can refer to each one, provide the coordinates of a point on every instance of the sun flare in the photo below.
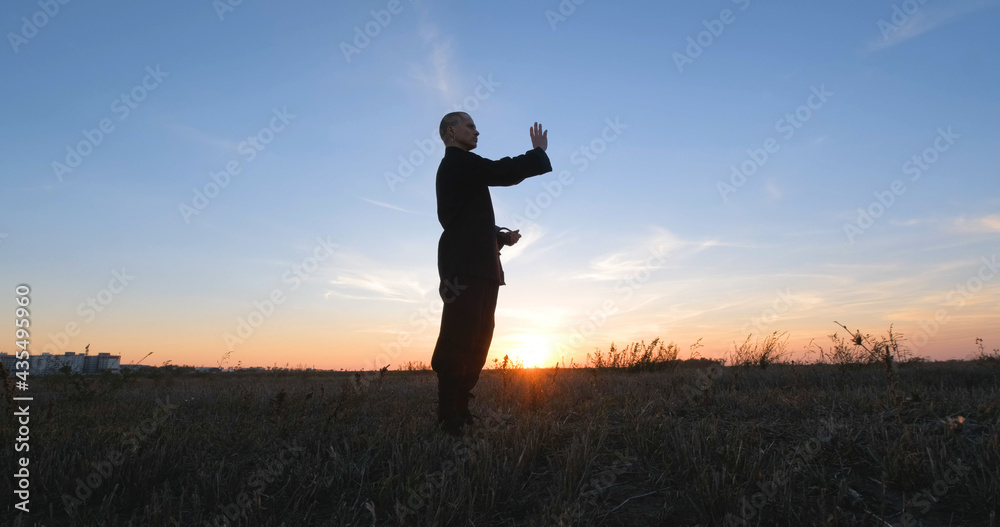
(533, 351)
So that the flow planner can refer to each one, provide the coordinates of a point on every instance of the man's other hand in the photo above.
(539, 137)
(509, 237)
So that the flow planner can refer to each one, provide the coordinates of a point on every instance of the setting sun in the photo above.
(533, 351)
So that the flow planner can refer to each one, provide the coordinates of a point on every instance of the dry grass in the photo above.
(709, 445)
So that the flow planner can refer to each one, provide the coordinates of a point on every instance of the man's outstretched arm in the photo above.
(511, 171)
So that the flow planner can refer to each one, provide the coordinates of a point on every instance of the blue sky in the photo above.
(648, 234)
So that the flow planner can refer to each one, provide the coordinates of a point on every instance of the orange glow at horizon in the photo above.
(532, 350)
(305, 342)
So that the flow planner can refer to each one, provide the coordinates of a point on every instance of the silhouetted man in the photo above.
(469, 257)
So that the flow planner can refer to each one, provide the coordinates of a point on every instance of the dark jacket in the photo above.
(469, 244)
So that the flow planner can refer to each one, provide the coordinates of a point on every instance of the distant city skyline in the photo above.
(49, 363)
(254, 183)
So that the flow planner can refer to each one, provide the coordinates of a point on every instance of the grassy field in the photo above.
(686, 444)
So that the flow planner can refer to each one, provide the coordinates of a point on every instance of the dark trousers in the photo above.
(466, 333)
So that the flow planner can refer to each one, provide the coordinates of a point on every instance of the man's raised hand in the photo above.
(539, 137)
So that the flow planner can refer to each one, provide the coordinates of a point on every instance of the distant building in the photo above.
(46, 363)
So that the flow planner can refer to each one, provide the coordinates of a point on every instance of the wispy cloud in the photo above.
(530, 235)
(541, 242)
(989, 223)
(645, 254)
(548, 315)
(199, 136)
(394, 207)
(437, 71)
(924, 20)
(357, 277)
(773, 192)
(377, 288)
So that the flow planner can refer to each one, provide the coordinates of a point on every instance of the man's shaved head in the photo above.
(458, 129)
(452, 119)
